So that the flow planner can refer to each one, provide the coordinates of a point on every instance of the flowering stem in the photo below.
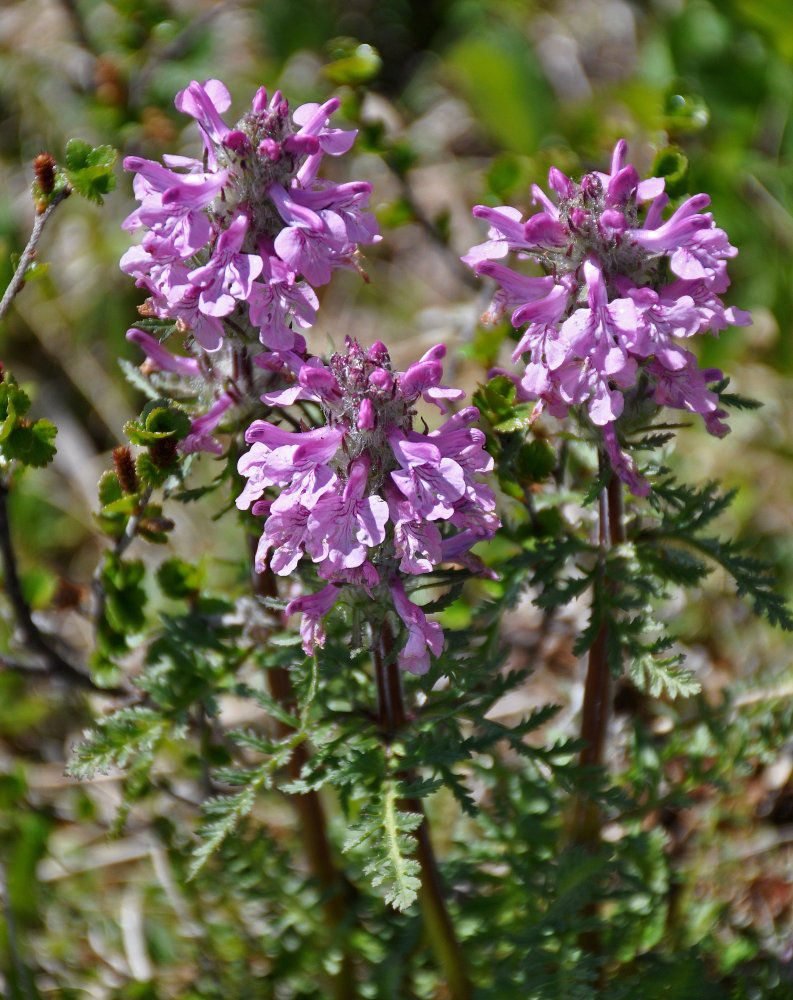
(597, 687)
(337, 892)
(392, 716)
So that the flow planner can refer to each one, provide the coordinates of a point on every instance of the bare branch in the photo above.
(29, 253)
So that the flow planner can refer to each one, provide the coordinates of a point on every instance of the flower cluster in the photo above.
(364, 496)
(251, 228)
(239, 240)
(623, 287)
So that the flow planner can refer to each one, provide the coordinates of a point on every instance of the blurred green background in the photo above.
(459, 102)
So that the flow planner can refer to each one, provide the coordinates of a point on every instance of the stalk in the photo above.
(596, 707)
(337, 893)
(392, 716)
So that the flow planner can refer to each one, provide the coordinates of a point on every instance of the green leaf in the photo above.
(179, 579)
(535, 461)
(520, 419)
(31, 444)
(36, 269)
(90, 169)
(671, 163)
(158, 421)
(223, 813)
(152, 474)
(117, 740)
(109, 488)
(125, 595)
(659, 676)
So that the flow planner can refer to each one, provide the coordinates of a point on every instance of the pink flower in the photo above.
(313, 608)
(605, 239)
(367, 467)
(254, 208)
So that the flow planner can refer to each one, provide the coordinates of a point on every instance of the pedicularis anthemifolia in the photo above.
(235, 243)
(360, 503)
(365, 495)
(232, 249)
(622, 287)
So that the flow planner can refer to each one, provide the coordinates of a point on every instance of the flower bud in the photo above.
(44, 167)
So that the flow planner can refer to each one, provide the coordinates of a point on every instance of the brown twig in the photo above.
(51, 662)
(29, 253)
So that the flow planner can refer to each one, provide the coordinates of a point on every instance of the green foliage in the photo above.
(213, 768)
(159, 421)
(672, 164)
(684, 512)
(520, 463)
(122, 612)
(384, 830)
(28, 442)
(129, 734)
(180, 579)
(89, 169)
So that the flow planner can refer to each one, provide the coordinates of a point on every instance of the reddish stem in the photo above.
(596, 706)
(393, 717)
(338, 893)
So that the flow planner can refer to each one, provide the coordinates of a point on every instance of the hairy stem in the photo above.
(393, 717)
(597, 686)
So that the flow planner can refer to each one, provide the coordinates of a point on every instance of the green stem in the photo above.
(440, 929)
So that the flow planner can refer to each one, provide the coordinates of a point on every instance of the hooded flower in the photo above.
(253, 227)
(368, 498)
(233, 244)
(603, 327)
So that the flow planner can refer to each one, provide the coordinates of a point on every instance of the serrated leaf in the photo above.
(117, 740)
(126, 504)
(109, 488)
(31, 444)
(664, 676)
(90, 169)
(226, 812)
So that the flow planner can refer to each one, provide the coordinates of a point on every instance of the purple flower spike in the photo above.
(602, 330)
(368, 493)
(251, 228)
